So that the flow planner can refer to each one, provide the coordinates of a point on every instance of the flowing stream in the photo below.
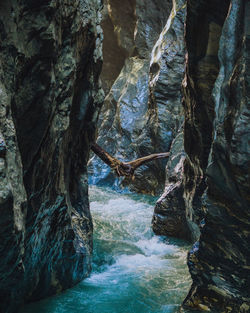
(133, 270)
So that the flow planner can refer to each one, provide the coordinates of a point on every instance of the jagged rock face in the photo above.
(50, 60)
(131, 28)
(219, 262)
(179, 212)
(167, 73)
(123, 124)
(202, 70)
(152, 16)
(142, 113)
(169, 218)
(118, 24)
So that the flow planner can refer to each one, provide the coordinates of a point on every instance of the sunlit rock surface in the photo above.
(167, 73)
(131, 28)
(49, 95)
(142, 112)
(217, 144)
(50, 60)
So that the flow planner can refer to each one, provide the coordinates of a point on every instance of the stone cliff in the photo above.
(206, 196)
(176, 78)
(135, 110)
(217, 144)
(179, 210)
(50, 60)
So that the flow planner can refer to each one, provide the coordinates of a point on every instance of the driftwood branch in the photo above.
(125, 168)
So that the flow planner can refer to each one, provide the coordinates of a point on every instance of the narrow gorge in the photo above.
(137, 77)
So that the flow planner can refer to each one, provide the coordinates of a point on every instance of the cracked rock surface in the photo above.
(142, 111)
(216, 139)
(50, 60)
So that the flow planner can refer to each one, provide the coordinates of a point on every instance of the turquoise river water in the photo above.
(134, 271)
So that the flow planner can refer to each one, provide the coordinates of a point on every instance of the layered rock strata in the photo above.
(50, 60)
(217, 144)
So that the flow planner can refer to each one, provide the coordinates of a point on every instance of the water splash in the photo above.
(133, 270)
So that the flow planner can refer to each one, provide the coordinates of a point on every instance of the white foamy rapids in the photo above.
(126, 266)
(126, 208)
(128, 222)
(140, 262)
(156, 246)
(134, 271)
(129, 217)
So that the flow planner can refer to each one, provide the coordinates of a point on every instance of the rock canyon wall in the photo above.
(136, 111)
(217, 144)
(176, 78)
(189, 96)
(50, 60)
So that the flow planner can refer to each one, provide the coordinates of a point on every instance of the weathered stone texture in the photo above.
(201, 73)
(131, 28)
(142, 113)
(219, 147)
(50, 59)
(118, 24)
(169, 218)
(167, 73)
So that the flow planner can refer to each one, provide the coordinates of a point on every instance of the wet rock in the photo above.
(169, 218)
(167, 73)
(50, 60)
(216, 132)
(201, 73)
(151, 16)
(131, 28)
(124, 130)
(142, 112)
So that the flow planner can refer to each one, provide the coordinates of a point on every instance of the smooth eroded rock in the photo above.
(50, 60)
(142, 113)
(218, 263)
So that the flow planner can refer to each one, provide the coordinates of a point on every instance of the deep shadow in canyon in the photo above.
(175, 76)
